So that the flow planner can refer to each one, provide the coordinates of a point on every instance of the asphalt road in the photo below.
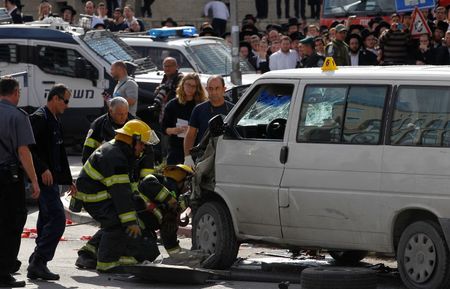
(251, 258)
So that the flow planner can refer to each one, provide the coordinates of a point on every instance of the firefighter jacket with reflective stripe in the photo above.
(103, 130)
(159, 189)
(106, 179)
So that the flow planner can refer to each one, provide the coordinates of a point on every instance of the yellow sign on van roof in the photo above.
(329, 64)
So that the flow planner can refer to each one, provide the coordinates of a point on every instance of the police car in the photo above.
(54, 52)
(206, 55)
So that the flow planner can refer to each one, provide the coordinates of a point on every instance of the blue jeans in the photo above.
(51, 222)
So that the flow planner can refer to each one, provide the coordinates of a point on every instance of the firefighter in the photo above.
(164, 196)
(106, 185)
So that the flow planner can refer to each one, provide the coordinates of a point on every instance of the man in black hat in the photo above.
(13, 11)
(169, 22)
(68, 14)
(438, 34)
(310, 56)
(292, 26)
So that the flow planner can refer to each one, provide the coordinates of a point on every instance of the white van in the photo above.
(352, 160)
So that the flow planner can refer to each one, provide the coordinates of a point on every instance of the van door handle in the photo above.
(284, 154)
(48, 82)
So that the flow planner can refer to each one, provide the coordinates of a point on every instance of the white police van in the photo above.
(351, 160)
(55, 52)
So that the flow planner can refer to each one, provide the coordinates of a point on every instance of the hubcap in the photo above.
(420, 258)
(206, 234)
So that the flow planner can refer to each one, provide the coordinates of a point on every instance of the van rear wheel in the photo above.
(423, 257)
(213, 233)
(348, 257)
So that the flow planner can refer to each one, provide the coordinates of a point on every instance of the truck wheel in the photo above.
(348, 257)
(423, 257)
(213, 233)
(338, 278)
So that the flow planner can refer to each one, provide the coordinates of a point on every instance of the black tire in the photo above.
(213, 232)
(423, 257)
(348, 258)
(338, 278)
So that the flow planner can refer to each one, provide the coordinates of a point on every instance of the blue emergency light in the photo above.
(183, 31)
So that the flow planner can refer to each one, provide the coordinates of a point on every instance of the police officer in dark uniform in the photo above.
(338, 49)
(106, 185)
(52, 167)
(15, 157)
(310, 56)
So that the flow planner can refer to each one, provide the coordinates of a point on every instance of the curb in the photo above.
(83, 217)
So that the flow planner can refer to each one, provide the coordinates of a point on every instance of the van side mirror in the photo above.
(216, 126)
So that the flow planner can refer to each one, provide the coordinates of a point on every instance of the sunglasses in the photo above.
(66, 101)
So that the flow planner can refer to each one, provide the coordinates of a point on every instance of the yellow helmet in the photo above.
(140, 130)
(178, 172)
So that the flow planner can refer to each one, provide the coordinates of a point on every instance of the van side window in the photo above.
(157, 56)
(56, 60)
(266, 113)
(342, 114)
(364, 114)
(322, 114)
(421, 116)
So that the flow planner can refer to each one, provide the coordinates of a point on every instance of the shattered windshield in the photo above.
(111, 49)
(336, 8)
(270, 102)
(216, 59)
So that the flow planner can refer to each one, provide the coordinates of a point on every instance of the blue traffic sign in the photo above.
(410, 5)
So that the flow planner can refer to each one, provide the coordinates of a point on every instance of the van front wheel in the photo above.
(213, 233)
(348, 257)
(423, 257)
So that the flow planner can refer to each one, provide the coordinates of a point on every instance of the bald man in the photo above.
(126, 86)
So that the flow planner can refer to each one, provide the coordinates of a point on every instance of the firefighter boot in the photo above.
(85, 261)
(38, 270)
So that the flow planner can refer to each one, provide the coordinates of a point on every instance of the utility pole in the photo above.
(236, 76)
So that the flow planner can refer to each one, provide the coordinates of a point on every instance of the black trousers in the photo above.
(315, 10)
(13, 214)
(299, 8)
(111, 5)
(262, 8)
(219, 26)
(147, 8)
(286, 8)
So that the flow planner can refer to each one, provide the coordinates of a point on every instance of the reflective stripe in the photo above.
(91, 172)
(92, 143)
(116, 179)
(134, 187)
(89, 248)
(162, 195)
(104, 266)
(93, 198)
(126, 260)
(146, 172)
(174, 250)
(128, 217)
(144, 197)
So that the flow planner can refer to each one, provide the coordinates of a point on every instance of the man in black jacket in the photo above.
(52, 169)
(310, 56)
(443, 52)
(13, 11)
(360, 56)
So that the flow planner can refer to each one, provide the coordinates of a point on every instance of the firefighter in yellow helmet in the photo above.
(165, 198)
(107, 183)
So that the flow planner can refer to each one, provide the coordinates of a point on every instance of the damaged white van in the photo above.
(353, 160)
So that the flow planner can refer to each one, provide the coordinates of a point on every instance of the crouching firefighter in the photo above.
(164, 198)
(106, 185)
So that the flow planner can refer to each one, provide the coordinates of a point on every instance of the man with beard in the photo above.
(358, 55)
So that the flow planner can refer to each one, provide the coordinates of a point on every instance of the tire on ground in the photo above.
(338, 278)
(423, 256)
(348, 258)
(213, 232)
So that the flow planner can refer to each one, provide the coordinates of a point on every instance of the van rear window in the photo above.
(421, 116)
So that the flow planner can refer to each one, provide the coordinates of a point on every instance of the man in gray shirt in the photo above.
(126, 86)
(15, 158)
